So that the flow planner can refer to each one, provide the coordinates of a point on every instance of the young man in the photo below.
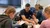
(27, 15)
(6, 19)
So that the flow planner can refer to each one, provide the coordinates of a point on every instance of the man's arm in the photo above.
(35, 19)
(24, 18)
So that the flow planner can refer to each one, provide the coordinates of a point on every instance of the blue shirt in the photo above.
(32, 9)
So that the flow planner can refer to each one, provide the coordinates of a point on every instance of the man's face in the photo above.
(27, 8)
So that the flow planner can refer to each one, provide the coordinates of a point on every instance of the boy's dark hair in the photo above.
(27, 5)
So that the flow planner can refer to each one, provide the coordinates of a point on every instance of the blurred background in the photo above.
(20, 4)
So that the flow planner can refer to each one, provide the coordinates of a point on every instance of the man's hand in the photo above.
(25, 19)
(35, 19)
(29, 21)
(32, 22)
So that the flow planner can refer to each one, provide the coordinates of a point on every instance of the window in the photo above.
(16, 3)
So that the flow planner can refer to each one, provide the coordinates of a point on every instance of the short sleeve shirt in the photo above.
(28, 15)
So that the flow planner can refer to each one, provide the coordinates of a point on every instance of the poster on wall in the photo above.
(16, 3)
(3, 1)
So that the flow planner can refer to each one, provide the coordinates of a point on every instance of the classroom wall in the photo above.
(3, 9)
(44, 2)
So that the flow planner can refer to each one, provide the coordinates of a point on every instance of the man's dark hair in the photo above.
(27, 5)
